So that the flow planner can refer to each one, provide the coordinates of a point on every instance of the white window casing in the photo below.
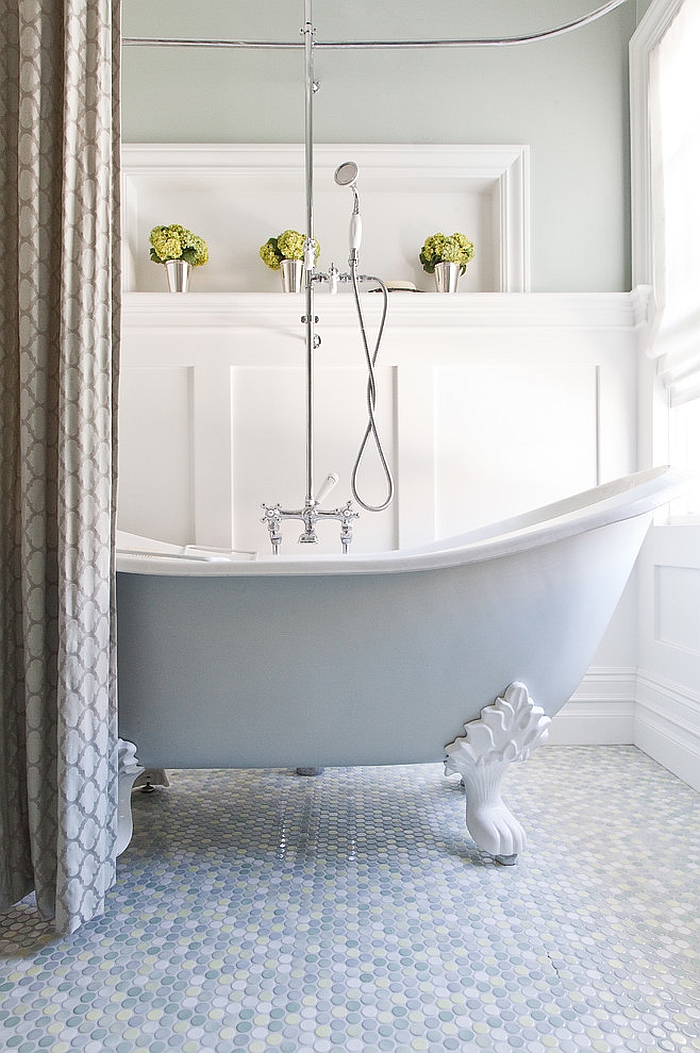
(665, 80)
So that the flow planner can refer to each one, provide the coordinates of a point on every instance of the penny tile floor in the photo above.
(260, 910)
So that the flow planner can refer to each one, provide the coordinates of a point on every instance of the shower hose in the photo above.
(371, 431)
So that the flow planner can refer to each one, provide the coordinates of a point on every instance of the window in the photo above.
(666, 81)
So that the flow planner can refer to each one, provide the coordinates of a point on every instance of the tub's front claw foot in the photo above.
(492, 825)
(128, 771)
(506, 731)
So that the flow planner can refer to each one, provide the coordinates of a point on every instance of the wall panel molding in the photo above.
(238, 195)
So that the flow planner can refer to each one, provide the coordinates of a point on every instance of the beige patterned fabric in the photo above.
(59, 299)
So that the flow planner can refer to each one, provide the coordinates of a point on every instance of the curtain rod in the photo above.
(345, 45)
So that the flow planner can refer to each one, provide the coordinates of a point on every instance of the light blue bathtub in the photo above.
(354, 660)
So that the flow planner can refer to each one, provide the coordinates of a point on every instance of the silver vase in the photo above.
(292, 272)
(446, 277)
(178, 272)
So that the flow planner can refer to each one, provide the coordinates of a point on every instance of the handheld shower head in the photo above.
(346, 175)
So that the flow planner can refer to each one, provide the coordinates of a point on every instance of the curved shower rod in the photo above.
(344, 45)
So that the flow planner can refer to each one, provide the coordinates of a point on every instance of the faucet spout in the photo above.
(309, 517)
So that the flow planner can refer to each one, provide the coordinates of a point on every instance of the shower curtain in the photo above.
(59, 316)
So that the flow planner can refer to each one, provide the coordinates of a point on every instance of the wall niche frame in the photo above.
(237, 195)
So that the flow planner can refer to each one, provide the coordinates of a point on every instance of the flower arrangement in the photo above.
(446, 248)
(177, 243)
(289, 245)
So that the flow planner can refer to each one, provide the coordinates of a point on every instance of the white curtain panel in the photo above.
(59, 317)
(674, 91)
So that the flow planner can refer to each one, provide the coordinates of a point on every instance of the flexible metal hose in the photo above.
(371, 431)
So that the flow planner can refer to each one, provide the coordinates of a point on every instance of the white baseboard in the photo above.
(600, 712)
(626, 706)
(667, 725)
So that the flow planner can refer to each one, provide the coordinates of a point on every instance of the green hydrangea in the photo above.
(289, 245)
(270, 254)
(446, 248)
(177, 243)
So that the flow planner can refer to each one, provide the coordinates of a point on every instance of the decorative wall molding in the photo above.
(612, 311)
(626, 706)
(600, 712)
(667, 725)
(408, 191)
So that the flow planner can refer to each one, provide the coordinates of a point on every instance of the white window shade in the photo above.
(675, 115)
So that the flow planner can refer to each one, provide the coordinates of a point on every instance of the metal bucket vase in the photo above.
(446, 277)
(292, 272)
(178, 272)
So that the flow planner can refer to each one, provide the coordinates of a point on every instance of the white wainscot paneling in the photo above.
(677, 613)
(269, 451)
(488, 406)
(156, 444)
(667, 716)
(506, 436)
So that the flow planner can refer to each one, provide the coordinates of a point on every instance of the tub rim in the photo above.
(627, 497)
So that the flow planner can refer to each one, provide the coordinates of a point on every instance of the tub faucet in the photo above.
(309, 515)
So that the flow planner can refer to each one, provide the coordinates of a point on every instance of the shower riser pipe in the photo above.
(309, 255)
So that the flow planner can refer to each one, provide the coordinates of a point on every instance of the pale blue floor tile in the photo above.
(350, 912)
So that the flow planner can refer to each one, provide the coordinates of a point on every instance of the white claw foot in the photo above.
(128, 771)
(492, 825)
(506, 731)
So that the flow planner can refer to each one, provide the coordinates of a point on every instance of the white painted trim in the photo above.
(484, 162)
(667, 725)
(634, 707)
(500, 310)
(647, 35)
(600, 712)
(503, 168)
(624, 706)
(514, 223)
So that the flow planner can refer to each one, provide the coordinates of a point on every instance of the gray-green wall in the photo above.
(566, 97)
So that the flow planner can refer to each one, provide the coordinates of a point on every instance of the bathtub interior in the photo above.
(605, 500)
(623, 498)
(146, 548)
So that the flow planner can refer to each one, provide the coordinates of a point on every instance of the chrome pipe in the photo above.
(344, 45)
(309, 256)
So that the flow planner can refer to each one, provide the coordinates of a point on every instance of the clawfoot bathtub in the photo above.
(467, 647)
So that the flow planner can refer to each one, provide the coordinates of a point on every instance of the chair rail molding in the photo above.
(621, 311)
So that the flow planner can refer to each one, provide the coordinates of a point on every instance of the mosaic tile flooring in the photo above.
(350, 912)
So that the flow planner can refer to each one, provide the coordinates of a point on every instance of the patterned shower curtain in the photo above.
(59, 300)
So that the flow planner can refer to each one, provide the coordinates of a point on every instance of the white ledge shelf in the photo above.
(623, 310)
